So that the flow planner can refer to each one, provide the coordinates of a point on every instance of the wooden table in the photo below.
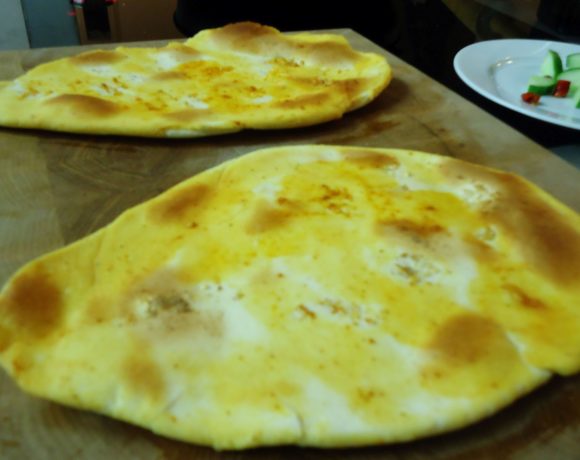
(56, 188)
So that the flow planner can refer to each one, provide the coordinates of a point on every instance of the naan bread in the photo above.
(220, 81)
(315, 295)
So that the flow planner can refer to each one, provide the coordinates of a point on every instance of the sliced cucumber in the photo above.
(573, 76)
(573, 61)
(576, 100)
(552, 65)
(541, 84)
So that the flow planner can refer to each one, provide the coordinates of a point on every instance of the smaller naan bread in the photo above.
(223, 80)
(316, 295)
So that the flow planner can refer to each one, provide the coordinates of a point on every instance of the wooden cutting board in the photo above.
(56, 188)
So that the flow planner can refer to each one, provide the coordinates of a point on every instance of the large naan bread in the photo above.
(222, 80)
(315, 295)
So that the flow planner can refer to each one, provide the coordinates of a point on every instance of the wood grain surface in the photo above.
(56, 188)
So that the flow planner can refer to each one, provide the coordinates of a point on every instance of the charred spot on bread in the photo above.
(99, 57)
(181, 203)
(33, 303)
(86, 105)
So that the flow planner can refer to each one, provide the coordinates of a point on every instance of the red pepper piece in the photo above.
(531, 98)
(562, 88)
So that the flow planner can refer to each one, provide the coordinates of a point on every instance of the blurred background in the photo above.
(425, 33)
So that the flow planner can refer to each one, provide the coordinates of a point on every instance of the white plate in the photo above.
(500, 69)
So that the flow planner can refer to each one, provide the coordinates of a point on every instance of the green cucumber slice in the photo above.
(573, 61)
(552, 65)
(576, 100)
(573, 76)
(541, 84)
